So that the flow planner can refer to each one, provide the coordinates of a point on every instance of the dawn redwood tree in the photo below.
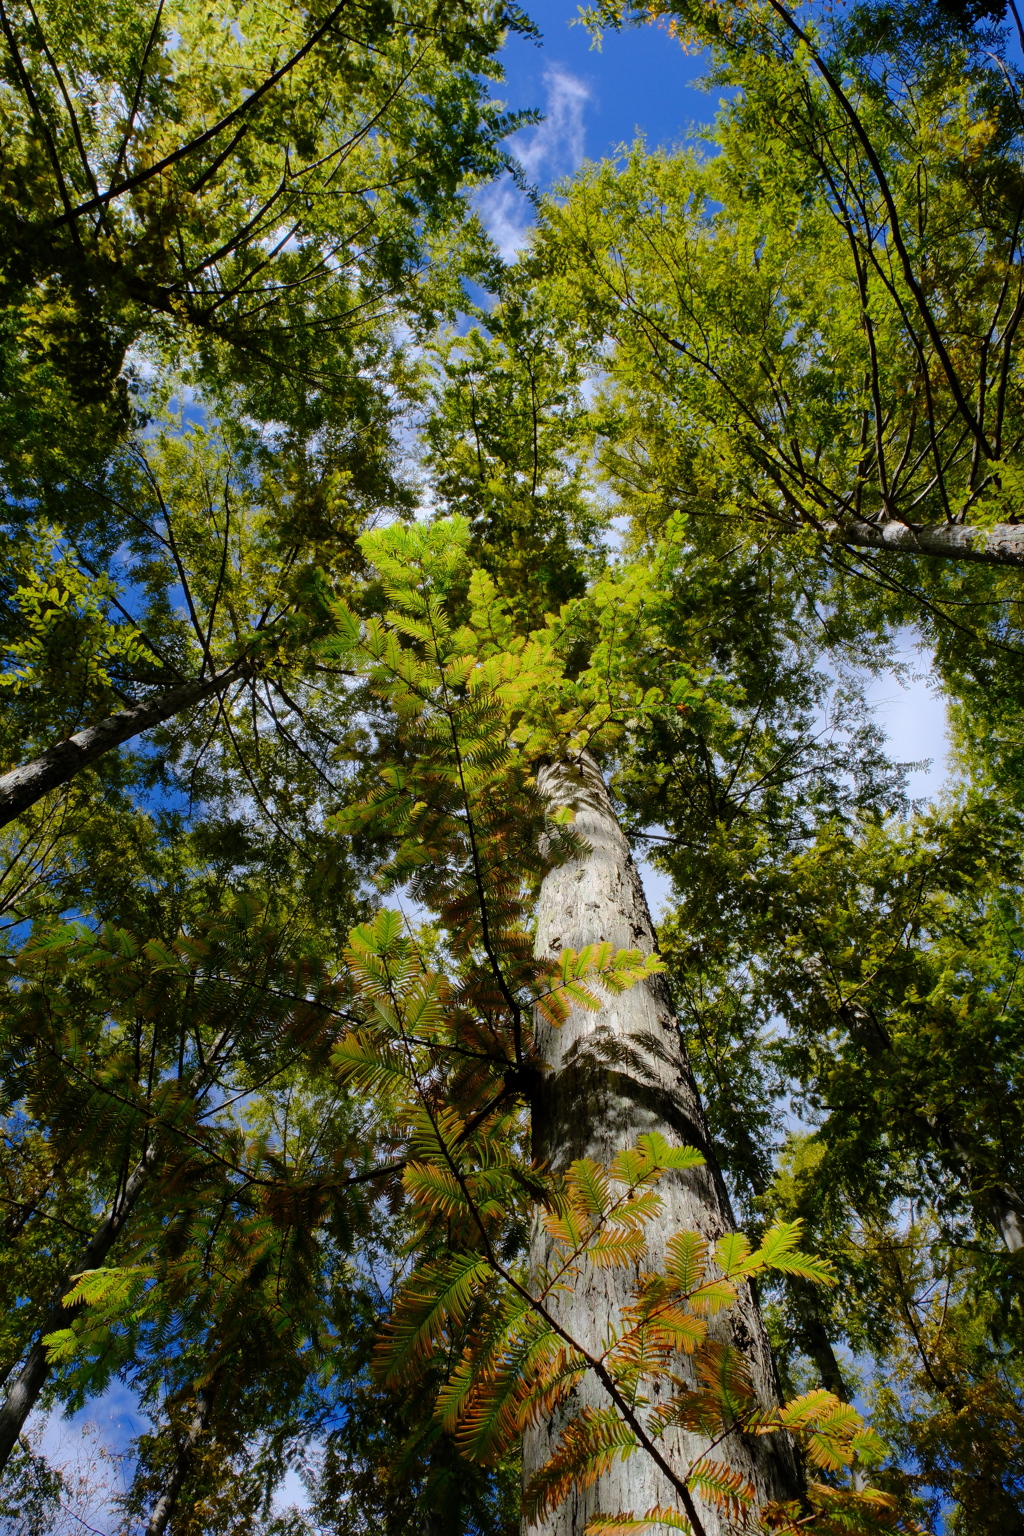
(829, 310)
(607, 1078)
(595, 1301)
(630, 1350)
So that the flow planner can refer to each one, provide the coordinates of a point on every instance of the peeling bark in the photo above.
(1002, 544)
(615, 1075)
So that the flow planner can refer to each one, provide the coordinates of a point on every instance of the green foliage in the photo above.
(791, 299)
(238, 194)
(31, 1493)
(68, 641)
(735, 356)
(506, 444)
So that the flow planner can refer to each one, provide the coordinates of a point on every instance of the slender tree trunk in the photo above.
(24, 1393)
(1003, 544)
(812, 1336)
(164, 1507)
(615, 1075)
(1005, 1206)
(21, 787)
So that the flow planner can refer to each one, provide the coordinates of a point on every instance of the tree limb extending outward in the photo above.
(21, 787)
(24, 1392)
(241, 111)
(1003, 544)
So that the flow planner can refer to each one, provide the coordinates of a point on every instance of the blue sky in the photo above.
(593, 101)
(640, 79)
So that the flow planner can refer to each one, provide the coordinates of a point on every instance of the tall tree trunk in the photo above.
(1005, 1206)
(1002, 544)
(21, 787)
(164, 1506)
(615, 1075)
(24, 1393)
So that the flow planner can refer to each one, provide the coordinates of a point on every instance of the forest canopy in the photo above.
(373, 606)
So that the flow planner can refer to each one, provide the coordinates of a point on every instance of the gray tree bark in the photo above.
(164, 1506)
(1003, 544)
(24, 1393)
(613, 1076)
(21, 787)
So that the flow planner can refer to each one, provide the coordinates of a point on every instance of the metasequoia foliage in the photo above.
(258, 188)
(457, 812)
(515, 1362)
(189, 511)
(127, 1057)
(446, 1049)
(227, 207)
(869, 191)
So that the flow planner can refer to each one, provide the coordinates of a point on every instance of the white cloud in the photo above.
(555, 147)
(548, 151)
(913, 714)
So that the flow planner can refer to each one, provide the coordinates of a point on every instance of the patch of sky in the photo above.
(638, 82)
(88, 1449)
(292, 1492)
(595, 100)
(547, 152)
(913, 714)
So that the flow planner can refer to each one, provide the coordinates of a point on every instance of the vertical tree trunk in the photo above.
(24, 1391)
(615, 1075)
(179, 1468)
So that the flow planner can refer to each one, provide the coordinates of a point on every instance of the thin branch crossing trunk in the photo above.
(24, 1393)
(22, 787)
(614, 1076)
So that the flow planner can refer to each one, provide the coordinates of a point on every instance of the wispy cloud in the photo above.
(552, 149)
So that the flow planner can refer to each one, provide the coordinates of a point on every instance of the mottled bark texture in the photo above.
(23, 786)
(1002, 544)
(613, 1076)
